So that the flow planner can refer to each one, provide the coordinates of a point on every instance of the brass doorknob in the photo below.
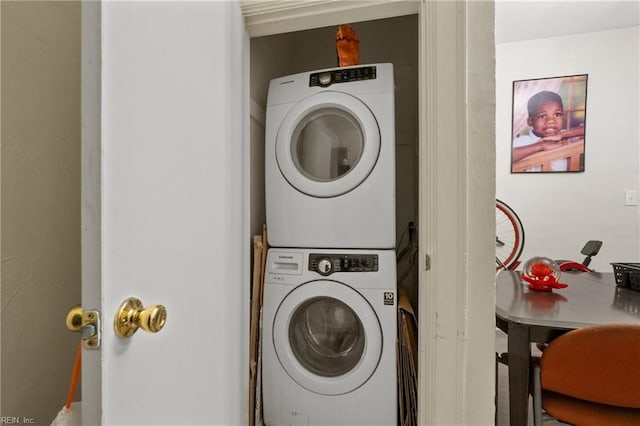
(132, 315)
(74, 318)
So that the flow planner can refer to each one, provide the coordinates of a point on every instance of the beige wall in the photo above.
(40, 174)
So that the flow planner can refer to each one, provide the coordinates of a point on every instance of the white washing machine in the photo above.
(329, 338)
(330, 159)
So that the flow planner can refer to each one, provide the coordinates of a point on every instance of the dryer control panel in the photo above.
(327, 78)
(326, 264)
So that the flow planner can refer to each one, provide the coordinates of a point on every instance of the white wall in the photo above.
(561, 211)
(270, 57)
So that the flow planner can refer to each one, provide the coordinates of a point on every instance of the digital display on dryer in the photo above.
(327, 78)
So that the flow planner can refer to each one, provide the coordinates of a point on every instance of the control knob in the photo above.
(325, 267)
(325, 78)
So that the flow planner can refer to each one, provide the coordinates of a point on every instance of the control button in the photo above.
(324, 266)
(325, 78)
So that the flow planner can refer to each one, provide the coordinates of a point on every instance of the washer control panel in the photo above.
(326, 264)
(327, 78)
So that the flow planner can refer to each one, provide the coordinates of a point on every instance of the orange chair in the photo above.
(591, 376)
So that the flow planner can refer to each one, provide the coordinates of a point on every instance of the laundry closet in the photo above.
(391, 40)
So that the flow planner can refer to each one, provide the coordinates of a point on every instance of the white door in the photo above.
(165, 210)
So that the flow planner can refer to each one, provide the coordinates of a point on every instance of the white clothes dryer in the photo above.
(329, 338)
(330, 159)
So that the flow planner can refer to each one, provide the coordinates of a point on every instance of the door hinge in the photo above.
(90, 329)
(427, 262)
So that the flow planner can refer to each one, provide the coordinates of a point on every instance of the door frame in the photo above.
(91, 211)
(457, 188)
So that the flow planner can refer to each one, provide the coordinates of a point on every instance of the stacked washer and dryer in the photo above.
(329, 309)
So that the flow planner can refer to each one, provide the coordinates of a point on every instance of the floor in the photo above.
(502, 417)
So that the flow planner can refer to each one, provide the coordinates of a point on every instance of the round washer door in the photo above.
(327, 337)
(327, 144)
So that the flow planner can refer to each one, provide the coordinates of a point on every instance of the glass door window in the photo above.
(327, 144)
(326, 336)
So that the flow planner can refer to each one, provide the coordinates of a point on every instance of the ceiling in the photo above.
(518, 20)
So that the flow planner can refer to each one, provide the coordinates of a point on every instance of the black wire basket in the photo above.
(627, 275)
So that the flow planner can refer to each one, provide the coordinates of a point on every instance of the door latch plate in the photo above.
(90, 330)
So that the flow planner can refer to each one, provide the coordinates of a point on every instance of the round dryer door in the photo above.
(327, 144)
(327, 337)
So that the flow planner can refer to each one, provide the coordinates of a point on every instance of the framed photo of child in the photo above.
(548, 124)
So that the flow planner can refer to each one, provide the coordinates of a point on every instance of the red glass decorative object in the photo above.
(542, 274)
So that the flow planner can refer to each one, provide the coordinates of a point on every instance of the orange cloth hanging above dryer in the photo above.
(347, 46)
